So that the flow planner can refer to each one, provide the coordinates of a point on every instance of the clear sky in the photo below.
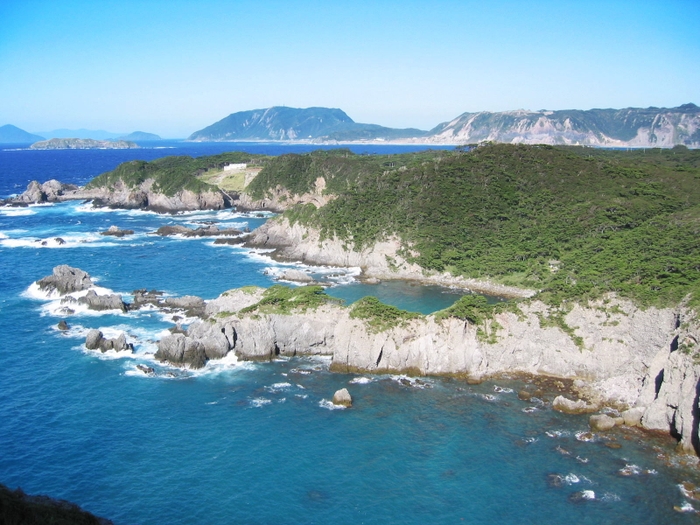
(172, 67)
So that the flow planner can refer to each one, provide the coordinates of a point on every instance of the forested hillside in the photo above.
(572, 222)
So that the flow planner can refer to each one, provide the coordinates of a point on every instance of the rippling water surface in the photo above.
(260, 443)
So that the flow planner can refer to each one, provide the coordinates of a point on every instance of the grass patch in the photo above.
(280, 299)
(379, 316)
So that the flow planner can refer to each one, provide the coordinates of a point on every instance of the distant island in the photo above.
(140, 136)
(629, 127)
(83, 144)
(10, 134)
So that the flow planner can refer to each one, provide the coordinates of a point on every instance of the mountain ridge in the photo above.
(10, 134)
(627, 127)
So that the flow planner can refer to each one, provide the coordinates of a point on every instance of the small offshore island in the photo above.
(599, 248)
(83, 144)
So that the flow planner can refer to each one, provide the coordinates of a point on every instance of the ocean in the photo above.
(260, 443)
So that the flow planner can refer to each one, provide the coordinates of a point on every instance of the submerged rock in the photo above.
(146, 370)
(342, 397)
(62, 325)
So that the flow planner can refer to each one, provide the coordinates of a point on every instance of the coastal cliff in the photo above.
(143, 196)
(616, 354)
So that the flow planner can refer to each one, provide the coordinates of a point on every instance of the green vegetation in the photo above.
(172, 174)
(279, 299)
(572, 222)
(380, 316)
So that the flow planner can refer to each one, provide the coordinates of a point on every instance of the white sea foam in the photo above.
(610, 496)
(585, 436)
(278, 387)
(59, 241)
(686, 507)
(582, 460)
(557, 433)
(16, 212)
(361, 380)
(571, 479)
(588, 494)
(329, 405)
(503, 390)
(530, 410)
(488, 397)
(259, 402)
(413, 382)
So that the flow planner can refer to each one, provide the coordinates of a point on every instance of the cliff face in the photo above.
(630, 127)
(625, 357)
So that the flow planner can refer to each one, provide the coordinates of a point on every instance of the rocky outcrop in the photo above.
(36, 193)
(203, 231)
(145, 196)
(99, 302)
(64, 280)
(95, 340)
(342, 398)
(121, 196)
(569, 406)
(114, 231)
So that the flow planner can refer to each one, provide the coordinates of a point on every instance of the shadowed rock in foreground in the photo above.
(18, 508)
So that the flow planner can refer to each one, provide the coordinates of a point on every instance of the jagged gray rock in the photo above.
(181, 350)
(36, 193)
(95, 340)
(102, 302)
(65, 280)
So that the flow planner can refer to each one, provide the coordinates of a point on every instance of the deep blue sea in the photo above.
(241, 443)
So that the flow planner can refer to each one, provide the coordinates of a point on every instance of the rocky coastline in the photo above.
(121, 196)
(381, 261)
(639, 365)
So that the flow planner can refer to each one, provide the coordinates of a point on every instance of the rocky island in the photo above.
(83, 144)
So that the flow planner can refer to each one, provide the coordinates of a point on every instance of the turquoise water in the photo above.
(258, 443)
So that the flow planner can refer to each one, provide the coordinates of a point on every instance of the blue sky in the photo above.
(172, 67)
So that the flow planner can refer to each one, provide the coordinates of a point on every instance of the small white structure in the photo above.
(235, 167)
